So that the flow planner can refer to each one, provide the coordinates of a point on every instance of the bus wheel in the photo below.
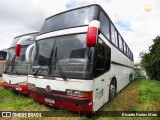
(130, 79)
(112, 90)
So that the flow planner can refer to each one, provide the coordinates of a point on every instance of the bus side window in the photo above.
(120, 43)
(108, 57)
(124, 47)
(104, 25)
(114, 36)
(103, 57)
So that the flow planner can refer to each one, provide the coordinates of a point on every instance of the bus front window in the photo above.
(9, 60)
(74, 18)
(16, 65)
(70, 52)
(20, 64)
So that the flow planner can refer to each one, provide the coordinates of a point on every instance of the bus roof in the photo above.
(77, 7)
(16, 39)
(36, 32)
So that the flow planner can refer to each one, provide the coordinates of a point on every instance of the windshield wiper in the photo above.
(40, 67)
(50, 60)
(49, 64)
(14, 66)
(61, 71)
(6, 67)
(10, 62)
(59, 67)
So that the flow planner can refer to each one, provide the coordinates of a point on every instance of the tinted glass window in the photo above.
(2, 55)
(77, 17)
(20, 64)
(108, 57)
(103, 57)
(70, 53)
(114, 35)
(74, 61)
(120, 43)
(124, 47)
(28, 42)
(130, 54)
(127, 51)
(116, 38)
(17, 65)
(42, 51)
(104, 25)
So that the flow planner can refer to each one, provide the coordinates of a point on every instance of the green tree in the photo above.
(151, 61)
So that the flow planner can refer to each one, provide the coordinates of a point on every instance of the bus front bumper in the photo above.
(16, 88)
(75, 104)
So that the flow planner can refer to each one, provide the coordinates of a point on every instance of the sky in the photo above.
(136, 20)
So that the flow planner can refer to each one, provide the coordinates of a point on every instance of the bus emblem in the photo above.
(48, 89)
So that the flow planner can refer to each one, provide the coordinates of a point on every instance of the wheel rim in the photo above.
(130, 79)
(112, 91)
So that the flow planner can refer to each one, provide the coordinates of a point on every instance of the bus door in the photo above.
(102, 74)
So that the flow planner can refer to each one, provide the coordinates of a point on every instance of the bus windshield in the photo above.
(9, 59)
(16, 65)
(69, 19)
(70, 52)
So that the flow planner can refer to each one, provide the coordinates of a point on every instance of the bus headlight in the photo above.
(22, 83)
(31, 85)
(77, 93)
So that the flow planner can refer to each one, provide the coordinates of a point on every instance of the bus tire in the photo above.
(130, 78)
(112, 89)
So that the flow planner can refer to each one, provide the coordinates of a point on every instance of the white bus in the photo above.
(80, 60)
(16, 68)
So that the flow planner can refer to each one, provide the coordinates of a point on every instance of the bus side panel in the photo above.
(101, 90)
(120, 65)
(14, 79)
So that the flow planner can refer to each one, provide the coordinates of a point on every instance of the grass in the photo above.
(140, 95)
(150, 95)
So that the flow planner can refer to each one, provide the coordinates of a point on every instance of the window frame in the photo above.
(109, 26)
(114, 34)
(95, 57)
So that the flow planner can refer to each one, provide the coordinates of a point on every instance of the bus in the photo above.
(80, 61)
(16, 67)
(3, 54)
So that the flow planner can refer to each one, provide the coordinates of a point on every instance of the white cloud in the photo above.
(145, 26)
(49, 7)
(24, 16)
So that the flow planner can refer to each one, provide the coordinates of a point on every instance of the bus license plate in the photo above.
(49, 100)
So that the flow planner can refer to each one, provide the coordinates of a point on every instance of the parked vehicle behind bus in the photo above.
(80, 60)
(16, 67)
(3, 54)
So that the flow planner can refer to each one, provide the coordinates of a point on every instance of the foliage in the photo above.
(151, 61)
(140, 95)
(140, 75)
